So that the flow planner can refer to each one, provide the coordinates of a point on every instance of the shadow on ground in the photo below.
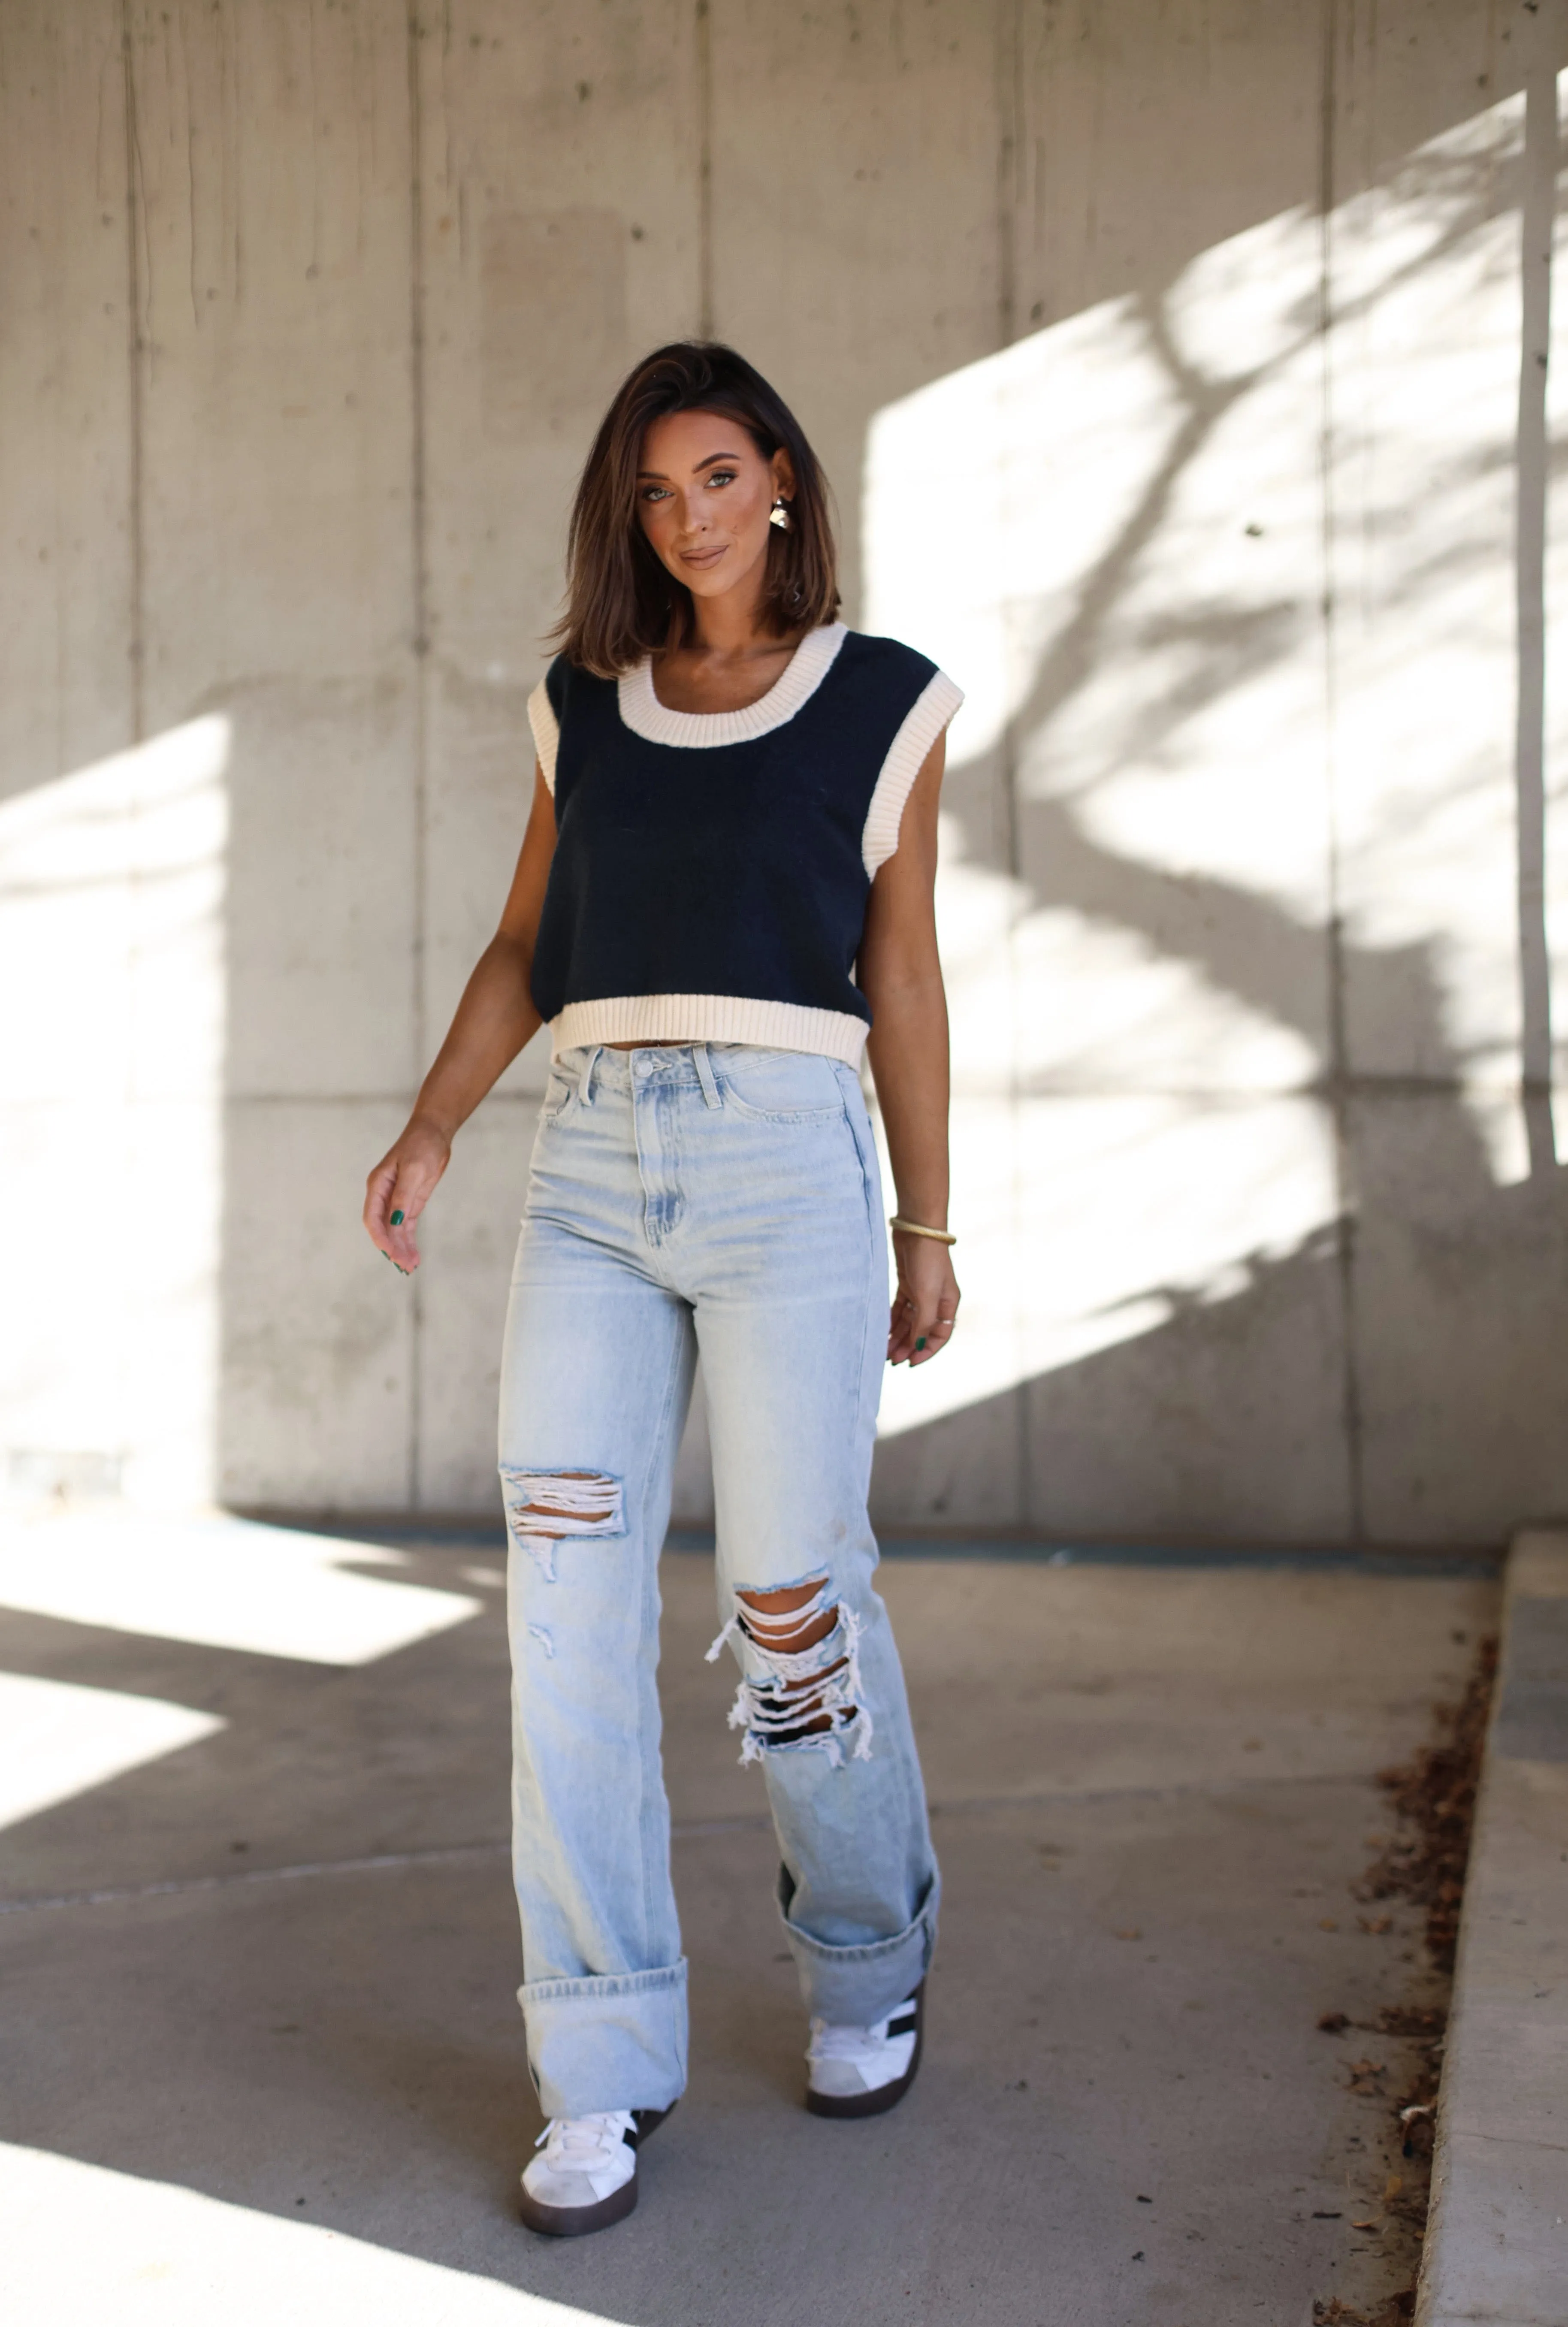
(1151, 1786)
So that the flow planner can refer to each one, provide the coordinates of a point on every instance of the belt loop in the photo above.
(704, 1067)
(592, 1060)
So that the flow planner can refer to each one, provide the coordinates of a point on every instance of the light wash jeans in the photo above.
(726, 1199)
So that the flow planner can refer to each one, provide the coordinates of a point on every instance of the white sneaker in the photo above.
(861, 2072)
(586, 2178)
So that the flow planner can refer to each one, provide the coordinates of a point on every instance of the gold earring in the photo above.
(778, 515)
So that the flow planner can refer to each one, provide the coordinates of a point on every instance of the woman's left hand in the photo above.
(926, 1304)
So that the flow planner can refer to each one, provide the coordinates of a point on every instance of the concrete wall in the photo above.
(1179, 368)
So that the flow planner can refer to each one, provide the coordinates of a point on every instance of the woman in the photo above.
(726, 879)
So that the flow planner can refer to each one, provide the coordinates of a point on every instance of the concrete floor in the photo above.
(1152, 1788)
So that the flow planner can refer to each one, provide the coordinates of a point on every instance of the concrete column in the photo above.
(560, 231)
(272, 161)
(67, 615)
(1457, 1236)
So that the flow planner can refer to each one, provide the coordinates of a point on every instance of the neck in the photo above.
(730, 628)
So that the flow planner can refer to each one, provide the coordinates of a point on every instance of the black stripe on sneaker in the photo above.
(905, 2027)
(643, 2123)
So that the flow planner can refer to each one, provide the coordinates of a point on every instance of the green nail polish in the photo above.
(921, 1342)
(397, 1220)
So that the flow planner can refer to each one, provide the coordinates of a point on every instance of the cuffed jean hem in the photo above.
(614, 2043)
(856, 1986)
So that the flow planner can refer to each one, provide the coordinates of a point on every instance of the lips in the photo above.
(703, 557)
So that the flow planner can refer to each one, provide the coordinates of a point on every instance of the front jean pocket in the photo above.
(780, 1086)
(560, 1092)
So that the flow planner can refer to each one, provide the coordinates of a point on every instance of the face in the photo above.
(703, 494)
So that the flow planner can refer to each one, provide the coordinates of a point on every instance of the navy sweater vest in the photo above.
(712, 870)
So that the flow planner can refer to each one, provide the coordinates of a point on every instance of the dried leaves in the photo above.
(1435, 1798)
(1392, 2314)
(1411, 2020)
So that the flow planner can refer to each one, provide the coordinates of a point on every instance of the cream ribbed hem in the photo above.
(709, 1018)
(547, 733)
(803, 673)
(925, 720)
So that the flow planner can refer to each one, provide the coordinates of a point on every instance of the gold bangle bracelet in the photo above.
(913, 1228)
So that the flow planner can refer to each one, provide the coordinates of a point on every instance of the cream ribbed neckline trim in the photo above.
(803, 673)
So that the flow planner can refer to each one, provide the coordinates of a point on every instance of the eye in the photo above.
(654, 493)
(722, 477)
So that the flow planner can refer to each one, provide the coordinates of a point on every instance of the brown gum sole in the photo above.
(577, 2221)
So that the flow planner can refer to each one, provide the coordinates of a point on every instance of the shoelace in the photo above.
(837, 2043)
(578, 2143)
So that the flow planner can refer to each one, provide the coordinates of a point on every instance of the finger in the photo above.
(931, 1332)
(407, 1199)
(388, 1217)
(902, 1327)
(396, 1197)
(378, 1202)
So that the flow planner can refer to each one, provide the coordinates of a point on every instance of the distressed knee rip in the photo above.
(543, 1506)
(802, 1686)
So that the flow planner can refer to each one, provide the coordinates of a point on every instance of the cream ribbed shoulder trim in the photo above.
(546, 731)
(803, 673)
(931, 711)
(709, 1018)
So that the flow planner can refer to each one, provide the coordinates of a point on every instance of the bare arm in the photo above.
(494, 1019)
(900, 977)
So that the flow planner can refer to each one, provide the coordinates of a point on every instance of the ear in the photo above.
(783, 474)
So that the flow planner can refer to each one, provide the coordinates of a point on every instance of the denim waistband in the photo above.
(673, 1064)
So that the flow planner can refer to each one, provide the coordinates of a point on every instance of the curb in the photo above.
(1497, 2242)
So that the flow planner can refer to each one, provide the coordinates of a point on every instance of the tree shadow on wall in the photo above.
(1393, 1378)
(1390, 1377)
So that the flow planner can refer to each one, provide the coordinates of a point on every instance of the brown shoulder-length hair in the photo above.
(621, 601)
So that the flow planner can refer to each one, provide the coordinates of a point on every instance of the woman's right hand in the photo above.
(401, 1187)
(495, 1018)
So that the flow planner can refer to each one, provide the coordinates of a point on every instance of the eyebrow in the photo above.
(709, 462)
